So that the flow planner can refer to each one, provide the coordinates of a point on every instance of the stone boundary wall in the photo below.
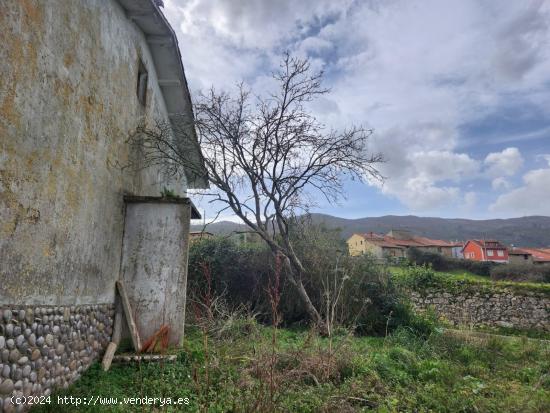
(498, 308)
(48, 347)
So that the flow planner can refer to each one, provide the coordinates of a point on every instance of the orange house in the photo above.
(485, 250)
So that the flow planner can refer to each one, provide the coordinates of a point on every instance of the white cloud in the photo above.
(420, 194)
(420, 178)
(415, 71)
(443, 165)
(533, 198)
(500, 183)
(470, 200)
(505, 163)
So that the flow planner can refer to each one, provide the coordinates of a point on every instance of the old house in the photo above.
(199, 235)
(406, 240)
(485, 250)
(395, 244)
(374, 244)
(520, 256)
(539, 256)
(77, 77)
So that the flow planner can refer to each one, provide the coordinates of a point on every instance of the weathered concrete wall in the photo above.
(154, 264)
(43, 348)
(499, 308)
(67, 103)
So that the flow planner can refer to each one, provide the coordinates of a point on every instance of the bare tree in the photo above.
(267, 157)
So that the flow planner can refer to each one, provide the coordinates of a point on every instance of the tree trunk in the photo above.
(310, 308)
(296, 281)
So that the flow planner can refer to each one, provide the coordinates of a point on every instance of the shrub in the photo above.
(521, 272)
(369, 300)
(238, 271)
(442, 263)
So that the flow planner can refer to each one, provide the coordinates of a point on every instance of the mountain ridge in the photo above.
(529, 231)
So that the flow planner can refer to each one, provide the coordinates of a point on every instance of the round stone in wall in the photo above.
(23, 360)
(59, 349)
(19, 340)
(29, 316)
(14, 356)
(6, 387)
(16, 373)
(35, 355)
(7, 315)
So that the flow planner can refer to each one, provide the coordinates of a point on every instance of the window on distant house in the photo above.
(500, 253)
(490, 253)
(142, 84)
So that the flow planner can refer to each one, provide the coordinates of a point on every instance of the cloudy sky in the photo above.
(458, 92)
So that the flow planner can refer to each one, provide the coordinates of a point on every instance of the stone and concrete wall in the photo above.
(48, 347)
(512, 308)
(68, 102)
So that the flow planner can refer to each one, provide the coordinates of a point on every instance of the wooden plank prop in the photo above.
(115, 339)
(129, 317)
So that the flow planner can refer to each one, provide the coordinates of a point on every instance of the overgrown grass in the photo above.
(241, 371)
(461, 281)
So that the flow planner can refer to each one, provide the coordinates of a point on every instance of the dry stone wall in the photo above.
(47, 348)
(493, 308)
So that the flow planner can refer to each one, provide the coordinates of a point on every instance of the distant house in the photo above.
(539, 256)
(485, 250)
(407, 240)
(198, 235)
(457, 250)
(247, 237)
(374, 244)
(395, 244)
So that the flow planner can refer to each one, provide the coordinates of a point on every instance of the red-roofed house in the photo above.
(539, 256)
(375, 244)
(395, 244)
(485, 250)
(406, 240)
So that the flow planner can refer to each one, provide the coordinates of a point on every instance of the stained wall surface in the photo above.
(154, 265)
(68, 102)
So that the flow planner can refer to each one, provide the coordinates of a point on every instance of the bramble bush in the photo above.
(363, 296)
(521, 272)
(442, 263)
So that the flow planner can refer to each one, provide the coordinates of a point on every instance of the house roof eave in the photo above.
(165, 51)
